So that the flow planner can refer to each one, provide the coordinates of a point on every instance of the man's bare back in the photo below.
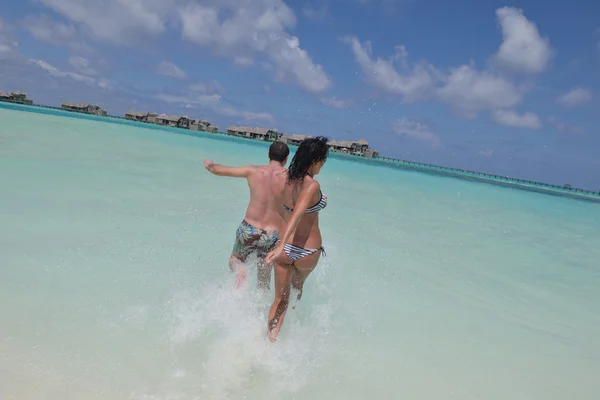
(258, 232)
(266, 185)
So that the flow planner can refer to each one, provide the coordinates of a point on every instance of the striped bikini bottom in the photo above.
(295, 253)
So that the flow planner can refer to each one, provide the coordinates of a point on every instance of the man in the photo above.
(258, 232)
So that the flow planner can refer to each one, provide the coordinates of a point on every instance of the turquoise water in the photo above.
(114, 281)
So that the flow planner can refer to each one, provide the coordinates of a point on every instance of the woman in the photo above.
(300, 246)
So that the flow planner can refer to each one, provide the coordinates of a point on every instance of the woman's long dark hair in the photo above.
(309, 152)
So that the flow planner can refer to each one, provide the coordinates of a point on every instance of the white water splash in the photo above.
(218, 336)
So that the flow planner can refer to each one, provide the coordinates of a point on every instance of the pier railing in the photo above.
(482, 176)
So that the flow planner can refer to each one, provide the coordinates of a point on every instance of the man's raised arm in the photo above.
(222, 170)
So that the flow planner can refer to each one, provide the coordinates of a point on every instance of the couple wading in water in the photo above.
(281, 225)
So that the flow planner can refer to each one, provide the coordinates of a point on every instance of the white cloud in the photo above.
(253, 29)
(335, 102)
(8, 44)
(316, 13)
(208, 87)
(523, 49)
(416, 130)
(486, 152)
(213, 102)
(201, 33)
(575, 97)
(48, 30)
(200, 100)
(566, 128)
(469, 91)
(389, 6)
(512, 119)
(52, 70)
(116, 21)
(82, 65)
(412, 84)
(167, 68)
(105, 84)
(55, 72)
(247, 115)
(243, 61)
(572, 129)
(465, 89)
(236, 29)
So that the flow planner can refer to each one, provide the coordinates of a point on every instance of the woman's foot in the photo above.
(273, 330)
(273, 335)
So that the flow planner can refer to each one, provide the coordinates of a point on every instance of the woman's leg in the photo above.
(283, 276)
(304, 267)
(287, 274)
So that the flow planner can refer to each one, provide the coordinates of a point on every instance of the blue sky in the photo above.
(505, 88)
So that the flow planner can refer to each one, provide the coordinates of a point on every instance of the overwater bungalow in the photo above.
(141, 116)
(357, 148)
(294, 139)
(371, 153)
(15, 97)
(175, 121)
(203, 125)
(85, 108)
(265, 134)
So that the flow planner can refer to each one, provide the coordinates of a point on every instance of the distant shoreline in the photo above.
(497, 180)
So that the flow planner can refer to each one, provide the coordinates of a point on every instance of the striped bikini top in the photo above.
(322, 203)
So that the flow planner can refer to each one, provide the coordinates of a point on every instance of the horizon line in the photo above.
(497, 180)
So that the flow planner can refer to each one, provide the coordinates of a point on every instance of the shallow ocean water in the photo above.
(114, 282)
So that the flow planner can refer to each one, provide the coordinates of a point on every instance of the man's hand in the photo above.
(223, 170)
(208, 164)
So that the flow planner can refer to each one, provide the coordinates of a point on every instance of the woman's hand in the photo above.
(275, 253)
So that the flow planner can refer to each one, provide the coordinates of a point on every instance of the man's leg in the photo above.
(242, 248)
(264, 273)
(237, 266)
(267, 243)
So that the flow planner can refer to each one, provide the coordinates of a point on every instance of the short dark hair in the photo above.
(278, 152)
(310, 151)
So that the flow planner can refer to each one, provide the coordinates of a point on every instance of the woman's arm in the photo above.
(301, 205)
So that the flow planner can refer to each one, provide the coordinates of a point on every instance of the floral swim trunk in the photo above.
(249, 239)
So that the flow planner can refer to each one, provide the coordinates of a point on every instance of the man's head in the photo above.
(279, 152)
